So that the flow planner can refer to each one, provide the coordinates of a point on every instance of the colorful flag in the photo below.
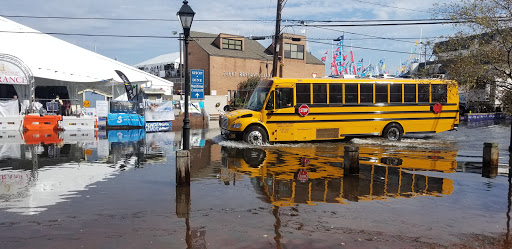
(345, 57)
(326, 52)
(324, 58)
(351, 56)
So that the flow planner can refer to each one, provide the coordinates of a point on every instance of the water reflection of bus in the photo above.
(310, 175)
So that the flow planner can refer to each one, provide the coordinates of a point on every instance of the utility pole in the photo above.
(277, 37)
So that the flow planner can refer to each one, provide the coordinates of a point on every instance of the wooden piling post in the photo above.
(351, 187)
(351, 160)
(491, 155)
(182, 168)
(490, 160)
(183, 201)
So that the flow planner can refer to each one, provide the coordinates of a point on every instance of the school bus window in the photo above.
(284, 97)
(381, 93)
(366, 93)
(303, 94)
(423, 93)
(439, 93)
(395, 93)
(270, 103)
(410, 93)
(320, 93)
(335, 93)
(351, 93)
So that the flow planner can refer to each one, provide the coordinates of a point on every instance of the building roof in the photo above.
(252, 49)
(161, 59)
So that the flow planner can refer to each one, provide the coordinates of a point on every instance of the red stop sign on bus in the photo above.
(304, 110)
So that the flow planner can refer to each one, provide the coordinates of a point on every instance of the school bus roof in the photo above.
(366, 80)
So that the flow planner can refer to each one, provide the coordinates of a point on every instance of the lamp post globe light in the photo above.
(186, 15)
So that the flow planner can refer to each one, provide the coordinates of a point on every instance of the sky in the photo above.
(254, 17)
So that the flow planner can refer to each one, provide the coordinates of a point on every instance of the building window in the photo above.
(381, 93)
(351, 94)
(303, 94)
(294, 51)
(335, 93)
(320, 93)
(366, 93)
(231, 44)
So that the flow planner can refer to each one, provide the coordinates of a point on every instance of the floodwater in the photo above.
(117, 189)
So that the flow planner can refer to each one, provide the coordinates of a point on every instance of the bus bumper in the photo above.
(232, 135)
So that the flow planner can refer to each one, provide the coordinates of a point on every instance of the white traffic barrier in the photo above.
(11, 123)
(77, 123)
(75, 136)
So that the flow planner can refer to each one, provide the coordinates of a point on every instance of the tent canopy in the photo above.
(55, 62)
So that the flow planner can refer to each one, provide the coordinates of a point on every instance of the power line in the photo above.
(375, 49)
(96, 35)
(381, 24)
(232, 20)
(393, 39)
(389, 6)
(130, 19)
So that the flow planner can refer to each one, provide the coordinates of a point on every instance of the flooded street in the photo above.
(117, 189)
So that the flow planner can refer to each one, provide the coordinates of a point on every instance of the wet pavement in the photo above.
(117, 189)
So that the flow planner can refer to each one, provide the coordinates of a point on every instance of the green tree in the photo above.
(481, 50)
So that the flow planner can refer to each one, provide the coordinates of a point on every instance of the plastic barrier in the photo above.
(36, 122)
(42, 136)
(77, 123)
(11, 137)
(76, 136)
(11, 123)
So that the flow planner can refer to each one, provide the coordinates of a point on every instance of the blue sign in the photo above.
(196, 84)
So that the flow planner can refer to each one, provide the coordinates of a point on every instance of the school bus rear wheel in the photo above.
(393, 132)
(255, 135)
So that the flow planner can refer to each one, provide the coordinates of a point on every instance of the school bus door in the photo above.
(278, 113)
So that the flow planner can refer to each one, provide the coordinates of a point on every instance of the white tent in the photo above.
(56, 62)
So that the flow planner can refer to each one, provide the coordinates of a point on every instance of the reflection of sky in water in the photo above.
(32, 184)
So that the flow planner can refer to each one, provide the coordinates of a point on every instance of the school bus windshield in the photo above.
(258, 98)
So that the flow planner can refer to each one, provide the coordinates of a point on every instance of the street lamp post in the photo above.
(186, 15)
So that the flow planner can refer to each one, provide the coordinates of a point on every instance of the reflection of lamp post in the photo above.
(186, 15)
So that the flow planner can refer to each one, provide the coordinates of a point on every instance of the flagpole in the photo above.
(332, 56)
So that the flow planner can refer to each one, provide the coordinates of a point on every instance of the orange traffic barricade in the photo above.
(36, 122)
(42, 136)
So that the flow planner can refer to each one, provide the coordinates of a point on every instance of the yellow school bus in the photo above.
(325, 108)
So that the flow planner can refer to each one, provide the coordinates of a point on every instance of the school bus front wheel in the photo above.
(255, 135)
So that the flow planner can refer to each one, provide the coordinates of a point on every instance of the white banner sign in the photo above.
(159, 111)
(102, 108)
(11, 74)
(9, 108)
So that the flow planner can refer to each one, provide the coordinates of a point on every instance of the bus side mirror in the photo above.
(226, 108)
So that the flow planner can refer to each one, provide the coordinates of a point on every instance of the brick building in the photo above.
(230, 59)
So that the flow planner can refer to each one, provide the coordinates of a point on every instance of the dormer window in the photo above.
(294, 51)
(231, 44)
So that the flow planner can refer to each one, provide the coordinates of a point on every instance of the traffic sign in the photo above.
(197, 84)
(304, 110)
